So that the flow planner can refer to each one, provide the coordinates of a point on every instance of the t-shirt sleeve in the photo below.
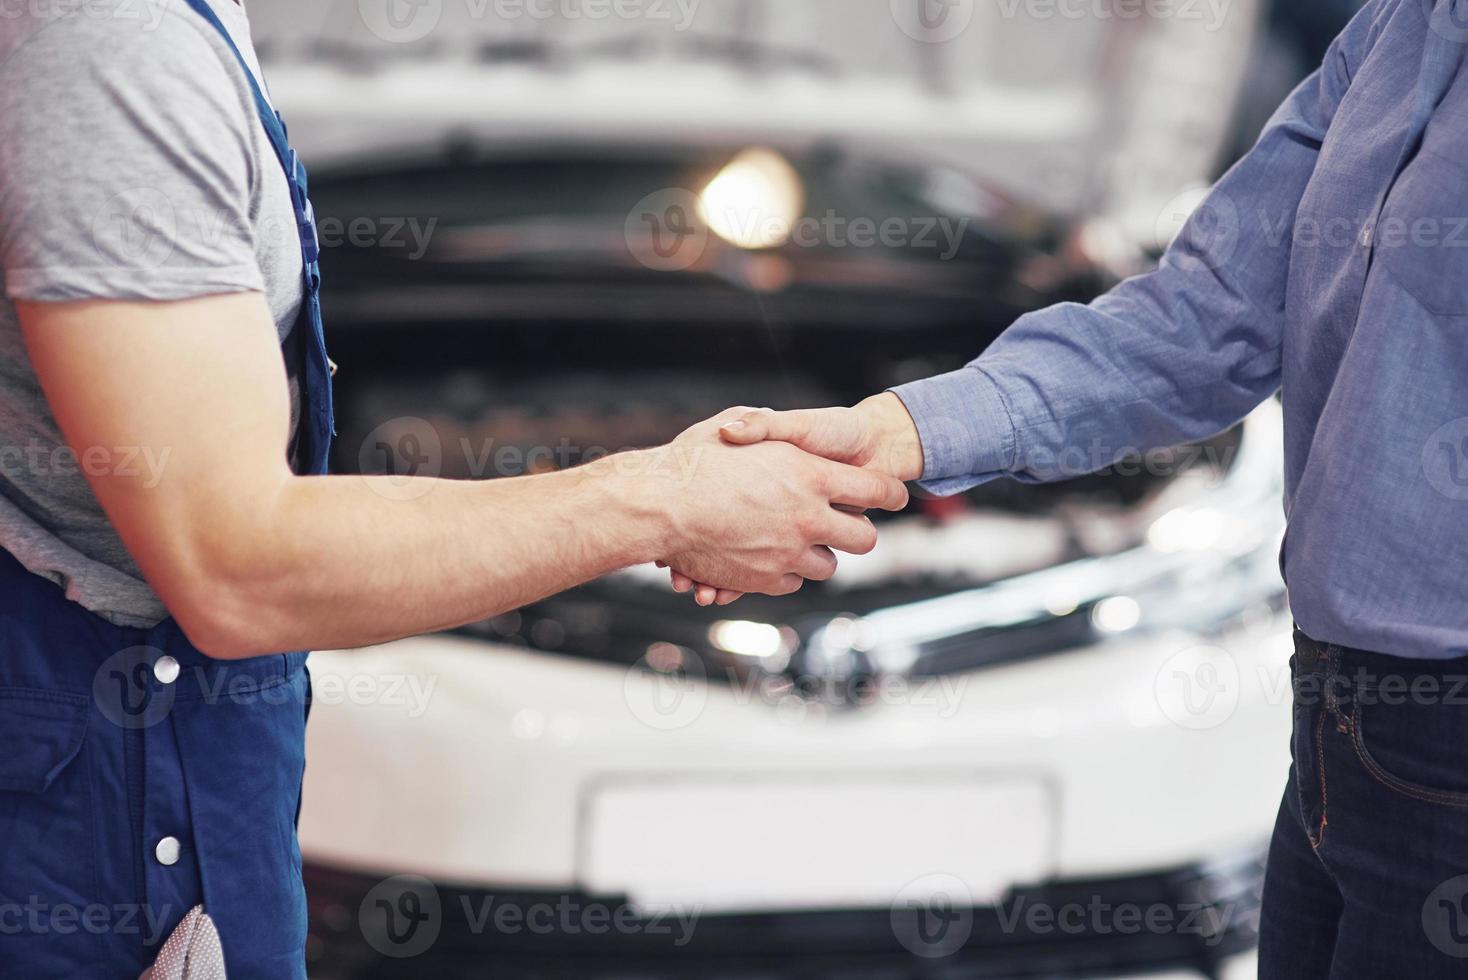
(125, 163)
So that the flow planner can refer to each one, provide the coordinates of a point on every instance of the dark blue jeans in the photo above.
(1368, 869)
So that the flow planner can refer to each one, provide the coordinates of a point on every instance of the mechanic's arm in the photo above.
(1177, 355)
(251, 559)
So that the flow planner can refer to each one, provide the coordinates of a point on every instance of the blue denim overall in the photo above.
(139, 778)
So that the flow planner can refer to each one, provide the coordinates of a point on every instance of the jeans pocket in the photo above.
(1309, 767)
(1414, 747)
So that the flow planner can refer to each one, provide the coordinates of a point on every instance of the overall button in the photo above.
(167, 851)
(165, 670)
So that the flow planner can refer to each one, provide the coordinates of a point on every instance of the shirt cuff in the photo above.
(967, 432)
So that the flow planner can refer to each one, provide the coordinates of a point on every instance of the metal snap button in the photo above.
(165, 669)
(167, 851)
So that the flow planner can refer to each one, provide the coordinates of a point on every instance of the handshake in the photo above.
(770, 497)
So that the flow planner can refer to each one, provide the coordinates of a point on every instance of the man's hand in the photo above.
(764, 518)
(877, 435)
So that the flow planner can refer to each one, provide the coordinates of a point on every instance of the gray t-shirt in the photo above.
(132, 166)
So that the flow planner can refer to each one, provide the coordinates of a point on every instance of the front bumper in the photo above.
(1190, 922)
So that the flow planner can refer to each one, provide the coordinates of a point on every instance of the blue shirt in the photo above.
(1331, 263)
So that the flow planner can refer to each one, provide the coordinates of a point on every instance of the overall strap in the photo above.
(275, 129)
(317, 423)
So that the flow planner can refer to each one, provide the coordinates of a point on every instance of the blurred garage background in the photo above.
(1040, 732)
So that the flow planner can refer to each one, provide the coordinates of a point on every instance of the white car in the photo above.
(1048, 710)
(1041, 731)
(1082, 761)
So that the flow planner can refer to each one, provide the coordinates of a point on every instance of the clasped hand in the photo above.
(797, 488)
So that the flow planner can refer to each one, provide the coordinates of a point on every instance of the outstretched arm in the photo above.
(1177, 355)
(1180, 354)
(251, 559)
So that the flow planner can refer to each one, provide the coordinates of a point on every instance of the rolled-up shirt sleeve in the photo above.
(1173, 356)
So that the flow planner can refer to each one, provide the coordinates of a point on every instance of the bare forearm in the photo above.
(251, 559)
(337, 562)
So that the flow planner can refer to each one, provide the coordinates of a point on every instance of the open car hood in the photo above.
(1086, 114)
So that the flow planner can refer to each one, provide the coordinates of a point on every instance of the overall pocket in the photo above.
(41, 733)
(47, 862)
